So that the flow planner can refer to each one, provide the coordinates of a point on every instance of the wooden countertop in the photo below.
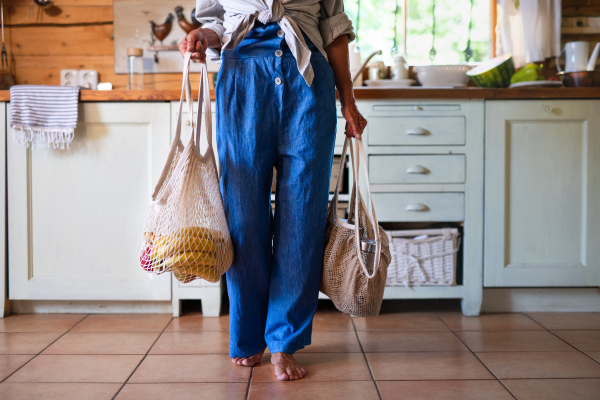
(364, 93)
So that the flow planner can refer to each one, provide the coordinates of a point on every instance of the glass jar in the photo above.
(135, 68)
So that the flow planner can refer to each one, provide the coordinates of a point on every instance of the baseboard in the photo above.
(90, 307)
(541, 299)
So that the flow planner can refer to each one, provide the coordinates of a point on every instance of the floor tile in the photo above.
(554, 389)
(567, 320)
(77, 369)
(44, 323)
(192, 343)
(10, 363)
(25, 342)
(410, 321)
(321, 367)
(103, 343)
(303, 389)
(196, 322)
(426, 366)
(594, 354)
(62, 391)
(333, 342)
(189, 368)
(525, 364)
(583, 340)
(489, 322)
(513, 341)
(447, 390)
(375, 342)
(184, 391)
(124, 323)
(332, 321)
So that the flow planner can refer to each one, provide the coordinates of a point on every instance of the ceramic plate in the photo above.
(537, 83)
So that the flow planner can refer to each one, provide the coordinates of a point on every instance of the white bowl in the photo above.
(443, 75)
(390, 82)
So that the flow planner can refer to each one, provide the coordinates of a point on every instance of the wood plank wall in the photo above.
(77, 34)
(73, 34)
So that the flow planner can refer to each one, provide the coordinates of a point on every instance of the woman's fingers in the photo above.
(196, 43)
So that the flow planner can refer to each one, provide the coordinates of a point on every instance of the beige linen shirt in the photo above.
(322, 21)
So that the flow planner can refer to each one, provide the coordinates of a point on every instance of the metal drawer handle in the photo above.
(417, 132)
(419, 207)
(417, 169)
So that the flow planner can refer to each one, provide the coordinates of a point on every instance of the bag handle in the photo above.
(375, 224)
(204, 108)
(177, 145)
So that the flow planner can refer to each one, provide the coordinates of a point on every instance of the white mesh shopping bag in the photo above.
(357, 252)
(186, 231)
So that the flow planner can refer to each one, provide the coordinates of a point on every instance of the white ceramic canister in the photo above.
(355, 63)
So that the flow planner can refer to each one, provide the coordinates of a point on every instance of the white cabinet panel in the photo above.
(542, 203)
(76, 216)
(3, 267)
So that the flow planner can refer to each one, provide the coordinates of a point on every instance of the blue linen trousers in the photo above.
(267, 116)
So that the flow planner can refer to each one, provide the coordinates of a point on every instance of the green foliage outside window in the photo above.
(377, 18)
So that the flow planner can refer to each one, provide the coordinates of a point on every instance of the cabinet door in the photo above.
(76, 216)
(3, 269)
(542, 193)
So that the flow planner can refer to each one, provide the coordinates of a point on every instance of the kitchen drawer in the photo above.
(419, 206)
(416, 131)
(417, 169)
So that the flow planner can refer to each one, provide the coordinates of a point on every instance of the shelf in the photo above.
(162, 47)
(591, 30)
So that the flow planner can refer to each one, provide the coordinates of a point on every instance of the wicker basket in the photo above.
(423, 257)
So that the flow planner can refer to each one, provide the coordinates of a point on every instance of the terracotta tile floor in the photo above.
(403, 354)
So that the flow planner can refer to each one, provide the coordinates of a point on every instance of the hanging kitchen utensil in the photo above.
(468, 52)
(4, 55)
(433, 51)
(395, 44)
(6, 78)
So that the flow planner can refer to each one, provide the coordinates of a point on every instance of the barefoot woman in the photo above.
(275, 94)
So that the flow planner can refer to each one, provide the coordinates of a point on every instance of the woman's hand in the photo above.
(195, 42)
(355, 122)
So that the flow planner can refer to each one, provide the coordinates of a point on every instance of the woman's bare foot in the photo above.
(286, 367)
(248, 361)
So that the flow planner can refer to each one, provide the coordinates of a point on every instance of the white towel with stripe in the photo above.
(43, 116)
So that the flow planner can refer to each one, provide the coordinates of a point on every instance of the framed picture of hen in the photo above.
(157, 27)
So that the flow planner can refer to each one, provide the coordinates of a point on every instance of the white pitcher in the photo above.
(576, 57)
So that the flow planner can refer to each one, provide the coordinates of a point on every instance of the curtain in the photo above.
(528, 29)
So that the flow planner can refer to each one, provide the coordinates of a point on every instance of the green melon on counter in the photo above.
(495, 73)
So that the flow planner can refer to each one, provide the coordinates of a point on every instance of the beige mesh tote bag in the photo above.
(186, 231)
(357, 251)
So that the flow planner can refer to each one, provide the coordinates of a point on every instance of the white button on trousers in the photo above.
(280, 33)
(279, 53)
(278, 81)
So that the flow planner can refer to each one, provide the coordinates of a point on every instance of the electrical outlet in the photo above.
(88, 79)
(69, 77)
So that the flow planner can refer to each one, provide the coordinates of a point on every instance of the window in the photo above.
(383, 25)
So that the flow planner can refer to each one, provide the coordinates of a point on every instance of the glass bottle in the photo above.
(135, 68)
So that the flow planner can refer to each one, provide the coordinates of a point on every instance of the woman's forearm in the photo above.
(211, 37)
(337, 52)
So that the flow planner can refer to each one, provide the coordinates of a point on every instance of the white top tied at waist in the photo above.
(273, 14)
(322, 21)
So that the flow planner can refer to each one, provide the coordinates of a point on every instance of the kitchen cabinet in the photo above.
(75, 217)
(3, 265)
(425, 164)
(542, 193)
